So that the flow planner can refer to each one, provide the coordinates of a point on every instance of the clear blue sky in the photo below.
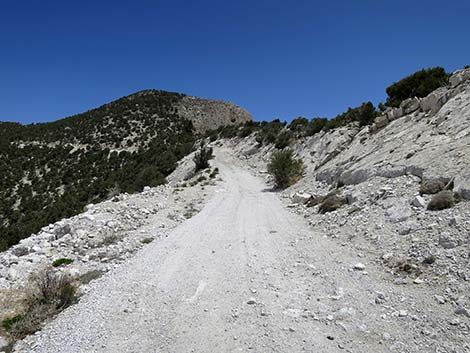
(275, 58)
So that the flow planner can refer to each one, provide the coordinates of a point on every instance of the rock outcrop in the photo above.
(429, 140)
(210, 114)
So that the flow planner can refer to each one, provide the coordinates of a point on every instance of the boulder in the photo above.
(419, 202)
(20, 250)
(462, 185)
(354, 177)
(458, 77)
(408, 227)
(381, 121)
(446, 241)
(301, 197)
(359, 266)
(49, 237)
(398, 213)
(61, 229)
(410, 105)
(433, 102)
(455, 220)
(394, 114)
(351, 197)
(3, 343)
(461, 310)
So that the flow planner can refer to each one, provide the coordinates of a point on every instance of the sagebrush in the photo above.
(202, 157)
(51, 293)
(285, 168)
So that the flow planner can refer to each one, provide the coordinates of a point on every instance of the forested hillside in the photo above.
(50, 171)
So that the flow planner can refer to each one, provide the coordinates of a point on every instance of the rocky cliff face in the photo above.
(209, 114)
(428, 138)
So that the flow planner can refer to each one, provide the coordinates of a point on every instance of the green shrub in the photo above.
(62, 261)
(212, 135)
(149, 176)
(364, 115)
(442, 200)
(228, 131)
(247, 129)
(285, 169)
(419, 84)
(269, 131)
(270, 137)
(315, 126)
(147, 240)
(213, 138)
(283, 140)
(202, 157)
(8, 323)
(299, 126)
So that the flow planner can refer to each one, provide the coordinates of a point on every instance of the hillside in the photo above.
(351, 250)
(50, 171)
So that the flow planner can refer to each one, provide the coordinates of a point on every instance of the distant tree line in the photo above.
(282, 134)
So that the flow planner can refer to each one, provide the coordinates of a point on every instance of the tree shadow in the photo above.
(271, 189)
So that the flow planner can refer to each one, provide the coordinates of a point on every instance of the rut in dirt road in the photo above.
(243, 275)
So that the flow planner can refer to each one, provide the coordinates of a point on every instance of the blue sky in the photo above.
(275, 58)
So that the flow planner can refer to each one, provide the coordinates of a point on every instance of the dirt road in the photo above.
(243, 275)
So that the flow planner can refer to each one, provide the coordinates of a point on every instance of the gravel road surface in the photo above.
(243, 275)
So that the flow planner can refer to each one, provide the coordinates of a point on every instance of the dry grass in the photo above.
(315, 200)
(442, 200)
(51, 293)
(431, 187)
(332, 202)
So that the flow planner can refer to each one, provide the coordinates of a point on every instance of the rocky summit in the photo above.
(345, 234)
